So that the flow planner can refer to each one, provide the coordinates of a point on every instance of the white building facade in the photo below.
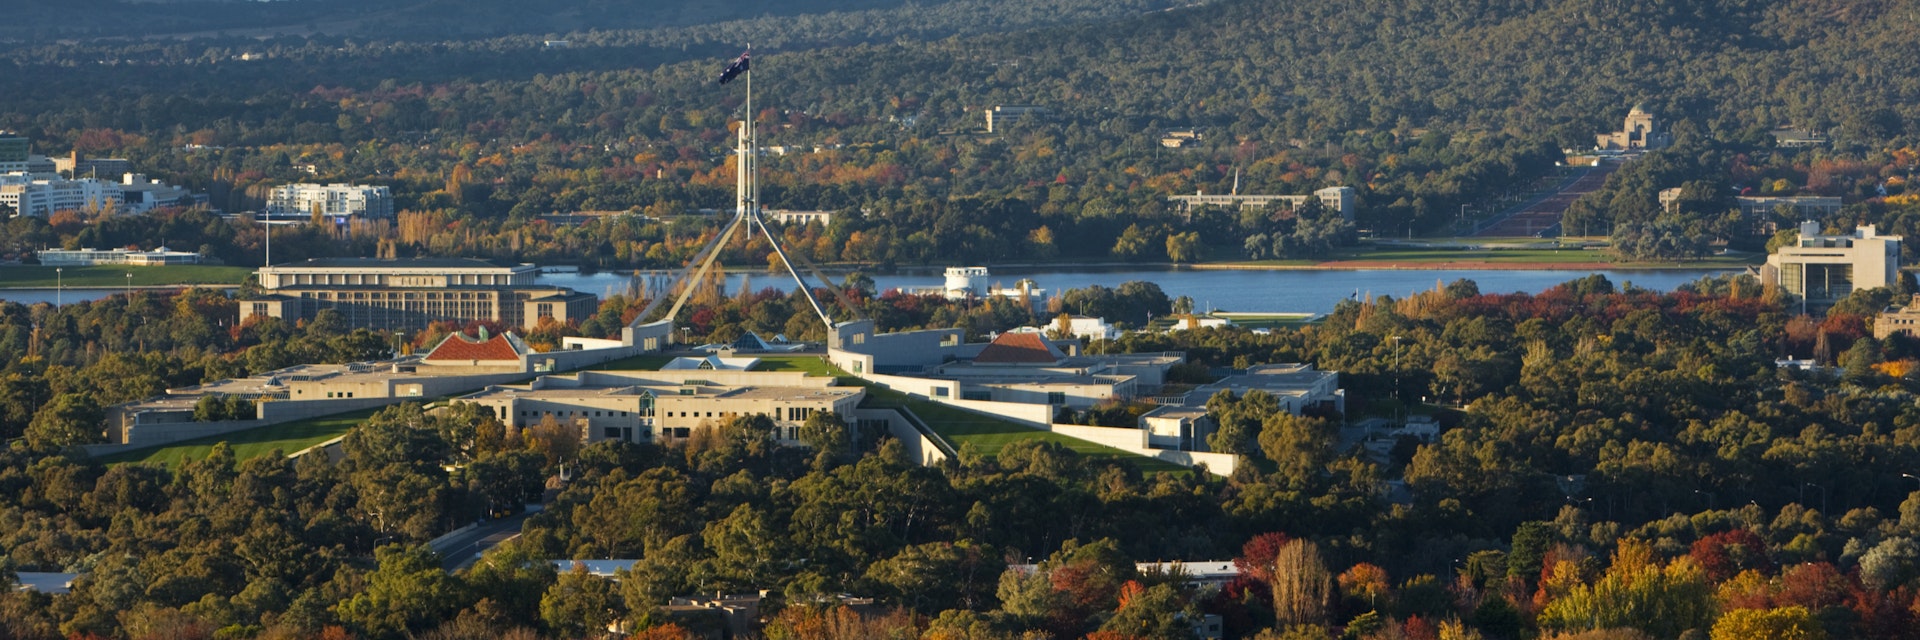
(28, 196)
(1822, 269)
(337, 200)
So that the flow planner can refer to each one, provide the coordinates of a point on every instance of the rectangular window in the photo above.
(610, 432)
(939, 392)
(1056, 397)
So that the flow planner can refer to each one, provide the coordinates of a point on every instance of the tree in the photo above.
(70, 419)
(1302, 586)
(747, 547)
(938, 576)
(408, 593)
(1153, 612)
(1891, 563)
(827, 433)
(1364, 582)
(1258, 554)
(580, 604)
(514, 579)
(1300, 446)
(1637, 592)
(1785, 623)
(1184, 247)
(1133, 243)
(1531, 541)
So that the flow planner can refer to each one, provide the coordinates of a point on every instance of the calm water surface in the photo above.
(1257, 291)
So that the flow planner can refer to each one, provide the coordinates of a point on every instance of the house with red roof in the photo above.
(459, 350)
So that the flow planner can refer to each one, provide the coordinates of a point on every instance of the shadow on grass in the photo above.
(251, 443)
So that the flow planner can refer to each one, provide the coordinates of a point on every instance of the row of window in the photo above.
(569, 414)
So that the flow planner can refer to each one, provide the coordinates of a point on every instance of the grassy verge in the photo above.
(634, 363)
(988, 435)
(813, 365)
(287, 438)
(27, 277)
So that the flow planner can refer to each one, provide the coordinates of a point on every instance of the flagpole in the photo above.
(753, 150)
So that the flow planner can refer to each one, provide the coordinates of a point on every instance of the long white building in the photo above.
(331, 200)
(1341, 199)
(28, 196)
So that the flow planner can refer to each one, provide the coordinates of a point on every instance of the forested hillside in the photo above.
(1422, 106)
(854, 20)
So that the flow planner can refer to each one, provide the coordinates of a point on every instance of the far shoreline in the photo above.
(1330, 265)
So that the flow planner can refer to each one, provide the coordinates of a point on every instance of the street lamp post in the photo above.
(59, 286)
(1823, 494)
(1396, 371)
(129, 288)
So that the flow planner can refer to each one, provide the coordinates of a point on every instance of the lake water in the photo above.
(49, 296)
(1303, 291)
(1255, 291)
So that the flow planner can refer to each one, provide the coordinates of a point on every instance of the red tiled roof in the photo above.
(1019, 348)
(459, 347)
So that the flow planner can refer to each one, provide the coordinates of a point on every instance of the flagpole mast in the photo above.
(753, 151)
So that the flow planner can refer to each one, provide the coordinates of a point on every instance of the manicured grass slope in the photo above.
(988, 435)
(116, 276)
(287, 438)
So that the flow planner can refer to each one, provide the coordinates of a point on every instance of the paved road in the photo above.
(460, 550)
(1543, 213)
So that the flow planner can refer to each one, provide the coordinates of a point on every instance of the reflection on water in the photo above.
(1257, 291)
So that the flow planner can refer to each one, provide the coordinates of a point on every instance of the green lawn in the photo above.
(1272, 320)
(23, 277)
(287, 438)
(988, 435)
(634, 363)
(813, 365)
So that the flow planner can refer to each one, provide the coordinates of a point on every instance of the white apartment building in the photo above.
(337, 200)
(1342, 199)
(140, 194)
(783, 216)
(1822, 269)
(91, 256)
(28, 196)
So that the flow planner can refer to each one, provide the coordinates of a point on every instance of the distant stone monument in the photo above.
(1641, 132)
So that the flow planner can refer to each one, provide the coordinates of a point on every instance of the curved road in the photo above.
(461, 549)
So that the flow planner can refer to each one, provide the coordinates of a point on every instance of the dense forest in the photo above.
(1429, 110)
(1614, 460)
(1613, 464)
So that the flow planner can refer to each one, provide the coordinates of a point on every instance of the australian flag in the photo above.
(738, 67)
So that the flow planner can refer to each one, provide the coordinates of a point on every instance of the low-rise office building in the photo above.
(412, 293)
(331, 200)
(29, 195)
(130, 257)
(1298, 387)
(1822, 269)
(1340, 199)
(138, 194)
(667, 406)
